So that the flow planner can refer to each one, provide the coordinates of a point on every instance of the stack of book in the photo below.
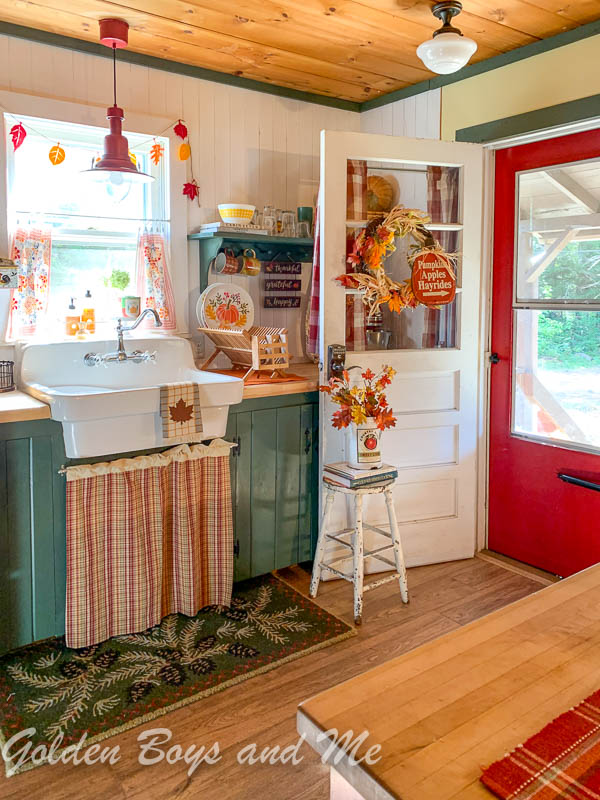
(227, 227)
(342, 474)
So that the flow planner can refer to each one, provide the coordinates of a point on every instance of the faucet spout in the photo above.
(141, 317)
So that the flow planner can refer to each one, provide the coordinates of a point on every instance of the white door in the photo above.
(435, 353)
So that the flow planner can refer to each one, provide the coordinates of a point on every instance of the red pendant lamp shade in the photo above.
(116, 147)
(116, 164)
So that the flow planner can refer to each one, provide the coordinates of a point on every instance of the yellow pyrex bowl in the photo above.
(236, 213)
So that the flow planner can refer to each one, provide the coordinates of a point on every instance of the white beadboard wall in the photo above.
(416, 117)
(247, 146)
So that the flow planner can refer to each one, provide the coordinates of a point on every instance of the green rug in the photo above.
(130, 680)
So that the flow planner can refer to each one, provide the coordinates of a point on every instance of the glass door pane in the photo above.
(373, 188)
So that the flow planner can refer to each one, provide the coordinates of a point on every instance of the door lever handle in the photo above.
(579, 482)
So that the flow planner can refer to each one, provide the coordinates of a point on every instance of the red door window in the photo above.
(544, 477)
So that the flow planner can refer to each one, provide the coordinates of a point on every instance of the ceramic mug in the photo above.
(249, 263)
(226, 263)
(130, 306)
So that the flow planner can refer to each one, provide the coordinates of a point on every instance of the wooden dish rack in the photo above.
(259, 349)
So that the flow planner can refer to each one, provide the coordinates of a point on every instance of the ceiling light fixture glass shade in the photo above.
(115, 166)
(448, 50)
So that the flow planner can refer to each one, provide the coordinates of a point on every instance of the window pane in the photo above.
(557, 376)
(559, 233)
(373, 188)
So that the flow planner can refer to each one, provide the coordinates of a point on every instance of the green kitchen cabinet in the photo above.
(32, 532)
(274, 475)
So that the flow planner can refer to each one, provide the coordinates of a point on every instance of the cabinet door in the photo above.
(242, 497)
(309, 477)
(32, 533)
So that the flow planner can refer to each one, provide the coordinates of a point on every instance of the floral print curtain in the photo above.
(31, 251)
(153, 278)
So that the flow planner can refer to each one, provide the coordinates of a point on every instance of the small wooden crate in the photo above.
(258, 349)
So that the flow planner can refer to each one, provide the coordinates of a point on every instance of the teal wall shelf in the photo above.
(267, 248)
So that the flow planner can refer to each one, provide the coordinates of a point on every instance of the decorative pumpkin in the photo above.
(380, 194)
(227, 312)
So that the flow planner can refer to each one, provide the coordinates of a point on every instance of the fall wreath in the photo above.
(375, 243)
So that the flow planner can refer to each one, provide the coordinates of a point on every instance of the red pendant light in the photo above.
(116, 165)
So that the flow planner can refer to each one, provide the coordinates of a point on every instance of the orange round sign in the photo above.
(433, 279)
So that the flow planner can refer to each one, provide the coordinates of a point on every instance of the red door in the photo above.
(544, 478)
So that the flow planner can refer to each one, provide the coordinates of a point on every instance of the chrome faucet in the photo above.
(121, 355)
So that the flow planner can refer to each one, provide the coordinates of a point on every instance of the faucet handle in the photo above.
(151, 357)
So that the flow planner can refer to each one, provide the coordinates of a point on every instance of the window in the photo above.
(556, 383)
(94, 226)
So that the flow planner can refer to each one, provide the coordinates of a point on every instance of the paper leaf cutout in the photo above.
(190, 189)
(184, 151)
(179, 129)
(156, 152)
(133, 158)
(18, 134)
(181, 412)
(56, 154)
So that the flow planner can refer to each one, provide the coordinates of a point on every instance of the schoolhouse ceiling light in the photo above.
(448, 50)
(116, 165)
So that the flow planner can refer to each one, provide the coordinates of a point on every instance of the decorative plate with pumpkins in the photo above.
(225, 306)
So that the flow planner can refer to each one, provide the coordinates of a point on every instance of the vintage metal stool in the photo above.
(356, 545)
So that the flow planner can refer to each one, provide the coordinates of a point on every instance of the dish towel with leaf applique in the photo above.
(180, 411)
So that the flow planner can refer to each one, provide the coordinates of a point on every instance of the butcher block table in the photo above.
(445, 710)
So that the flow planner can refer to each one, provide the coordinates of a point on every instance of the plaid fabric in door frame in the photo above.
(147, 541)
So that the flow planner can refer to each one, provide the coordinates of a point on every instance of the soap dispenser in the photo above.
(88, 313)
(72, 319)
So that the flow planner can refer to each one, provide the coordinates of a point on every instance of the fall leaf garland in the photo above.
(57, 154)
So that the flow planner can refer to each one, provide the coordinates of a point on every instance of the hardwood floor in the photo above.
(263, 710)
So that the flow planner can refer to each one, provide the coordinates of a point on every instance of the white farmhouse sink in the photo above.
(115, 408)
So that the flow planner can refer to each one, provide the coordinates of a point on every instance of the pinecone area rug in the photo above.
(99, 691)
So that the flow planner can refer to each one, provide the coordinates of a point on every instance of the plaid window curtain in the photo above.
(147, 537)
(442, 206)
(153, 278)
(31, 252)
(356, 209)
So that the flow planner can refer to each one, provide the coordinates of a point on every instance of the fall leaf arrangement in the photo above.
(57, 155)
(359, 403)
(374, 244)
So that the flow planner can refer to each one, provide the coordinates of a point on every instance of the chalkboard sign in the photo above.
(282, 302)
(283, 267)
(283, 285)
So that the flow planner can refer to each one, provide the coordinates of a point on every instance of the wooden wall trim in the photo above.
(518, 54)
(537, 120)
(176, 67)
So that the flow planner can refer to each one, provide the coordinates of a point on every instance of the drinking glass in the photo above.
(270, 224)
(303, 230)
(288, 223)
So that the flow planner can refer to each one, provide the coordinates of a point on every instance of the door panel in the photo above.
(435, 353)
(545, 389)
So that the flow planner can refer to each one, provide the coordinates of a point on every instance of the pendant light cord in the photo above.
(114, 49)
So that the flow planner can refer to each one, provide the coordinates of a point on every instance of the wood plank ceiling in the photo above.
(348, 49)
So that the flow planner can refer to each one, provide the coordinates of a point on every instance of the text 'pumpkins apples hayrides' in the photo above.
(375, 243)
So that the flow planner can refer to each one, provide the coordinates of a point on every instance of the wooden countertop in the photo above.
(311, 383)
(460, 702)
(20, 407)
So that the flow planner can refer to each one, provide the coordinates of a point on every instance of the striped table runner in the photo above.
(561, 761)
